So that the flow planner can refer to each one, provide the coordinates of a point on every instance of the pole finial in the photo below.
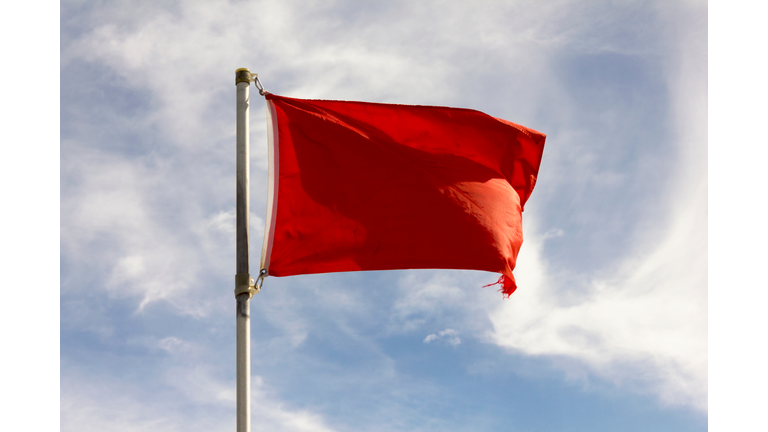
(244, 75)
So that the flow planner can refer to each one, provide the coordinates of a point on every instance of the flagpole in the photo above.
(244, 284)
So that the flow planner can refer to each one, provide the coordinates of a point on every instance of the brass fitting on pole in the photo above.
(244, 75)
(244, 284)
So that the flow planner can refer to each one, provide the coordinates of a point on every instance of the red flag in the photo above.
(370, 186)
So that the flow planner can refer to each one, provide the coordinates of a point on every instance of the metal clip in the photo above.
(260, 279)
(258, 85)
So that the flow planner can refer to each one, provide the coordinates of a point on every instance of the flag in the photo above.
(371, 186)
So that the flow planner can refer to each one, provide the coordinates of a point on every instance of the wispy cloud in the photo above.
(644, 327)
(553, 233)
(642, 323)
(450, 336)
(97, 405)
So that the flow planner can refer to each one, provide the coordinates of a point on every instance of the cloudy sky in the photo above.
(608, 328)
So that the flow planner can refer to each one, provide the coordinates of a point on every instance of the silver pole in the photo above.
(243, 282)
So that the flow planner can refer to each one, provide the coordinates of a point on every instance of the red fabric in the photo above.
(369, 186)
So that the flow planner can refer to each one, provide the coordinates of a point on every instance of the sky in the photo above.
(607, 331)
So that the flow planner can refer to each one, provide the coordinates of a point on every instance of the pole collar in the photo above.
(244, 75)
(245, 285)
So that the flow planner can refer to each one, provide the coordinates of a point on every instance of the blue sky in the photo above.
(607, 331)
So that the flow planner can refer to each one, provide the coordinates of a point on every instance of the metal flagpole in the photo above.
(244, 284)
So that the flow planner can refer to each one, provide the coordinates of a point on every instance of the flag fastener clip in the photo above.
(260, 279)
(244, 284)
(258, 85)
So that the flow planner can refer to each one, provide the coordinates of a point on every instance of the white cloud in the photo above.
(85, 411)
(442, 297)
(272, 414)
(223, 221)
(124, 222)
(174, 345)
(645, 327)
(450, 336)
(644, 323)
(552, 233)
(88, 404)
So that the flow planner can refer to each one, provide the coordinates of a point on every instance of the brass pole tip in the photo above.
(243, 75)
